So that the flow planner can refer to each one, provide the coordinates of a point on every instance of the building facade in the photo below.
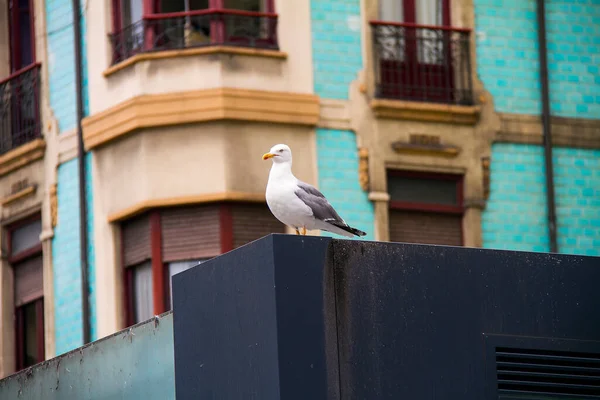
(516, 215)
(406, 115)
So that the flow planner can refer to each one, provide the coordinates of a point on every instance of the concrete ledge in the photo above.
(22, 155)
(161, 55)
(18, 196)
(335, 114)
(199, 106)
(423, 111)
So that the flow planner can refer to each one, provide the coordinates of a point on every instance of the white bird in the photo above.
(298, 204)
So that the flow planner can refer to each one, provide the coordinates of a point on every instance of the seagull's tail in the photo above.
(349, 229)
(355, 231)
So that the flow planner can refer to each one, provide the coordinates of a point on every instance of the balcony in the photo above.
(422, 63)
(20, 121)
(191, 29)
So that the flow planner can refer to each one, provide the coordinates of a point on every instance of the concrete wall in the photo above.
(337, 60)
(65, 244)
(507, 61)
(136, 363)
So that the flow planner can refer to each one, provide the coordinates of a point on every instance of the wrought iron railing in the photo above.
(422, 63)
(20, 108)
(181, 30)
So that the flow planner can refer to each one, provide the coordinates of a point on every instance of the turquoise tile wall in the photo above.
(507, 55)
(515, 217)
(65, 244)
(507, 63)
(337, 59)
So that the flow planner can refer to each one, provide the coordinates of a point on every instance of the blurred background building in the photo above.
(421, 121)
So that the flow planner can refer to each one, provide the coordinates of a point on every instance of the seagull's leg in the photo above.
(297, 231)
(303, 230)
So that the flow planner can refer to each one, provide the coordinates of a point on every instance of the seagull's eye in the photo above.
(281, 150)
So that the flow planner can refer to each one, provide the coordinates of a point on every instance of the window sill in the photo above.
(22, 155)
(227, 50)
(422, 111)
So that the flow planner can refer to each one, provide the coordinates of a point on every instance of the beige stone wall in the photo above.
(204, 71)
(36, 167)
(180, 163)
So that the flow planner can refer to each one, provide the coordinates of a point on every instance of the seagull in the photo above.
(298, 204)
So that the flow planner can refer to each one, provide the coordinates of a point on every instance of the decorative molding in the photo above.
(146, 205)
(21, 194)
(379, 196)
(53, 205)
(485, 166)
(422, 111)
(474, 203)
(567, 132)
(334, 114)
(67, 146)
(22, 155)
(147, 111)
(47, 234)
(430, 145)
(363, 168)
(226, 50)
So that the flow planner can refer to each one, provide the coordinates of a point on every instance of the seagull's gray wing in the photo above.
(319, 205)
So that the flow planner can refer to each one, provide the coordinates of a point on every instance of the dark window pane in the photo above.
(198, 4)
(132, 11)
(25, 40)
(246, 5)
(142, 292)
(168, 6)
(26, 237)
(30, 333)
(420, 190)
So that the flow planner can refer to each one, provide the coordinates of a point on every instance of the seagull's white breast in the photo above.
(284, 204)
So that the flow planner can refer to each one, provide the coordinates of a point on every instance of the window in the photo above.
(140, 26)
(162, 243)
(19, 92)
(22, 34)
(425, 208)
(418, 56)
(25, 257)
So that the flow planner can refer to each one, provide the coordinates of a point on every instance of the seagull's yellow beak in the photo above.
(266, 156)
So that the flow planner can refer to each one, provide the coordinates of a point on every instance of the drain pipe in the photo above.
(545, 97)
(83, 239)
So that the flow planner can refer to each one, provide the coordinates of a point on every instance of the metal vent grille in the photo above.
(543, 374)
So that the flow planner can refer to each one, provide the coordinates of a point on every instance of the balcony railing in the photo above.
(422, 63)
(20, 108)
(200, 28)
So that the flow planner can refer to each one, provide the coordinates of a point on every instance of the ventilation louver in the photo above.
(545, 375)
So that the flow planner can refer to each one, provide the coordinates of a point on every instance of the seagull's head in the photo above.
(280, 153)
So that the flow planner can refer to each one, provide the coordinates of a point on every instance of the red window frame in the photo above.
(160, 272)
(19, 311)
(408, 78)
(151, 10)
(458, 209)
